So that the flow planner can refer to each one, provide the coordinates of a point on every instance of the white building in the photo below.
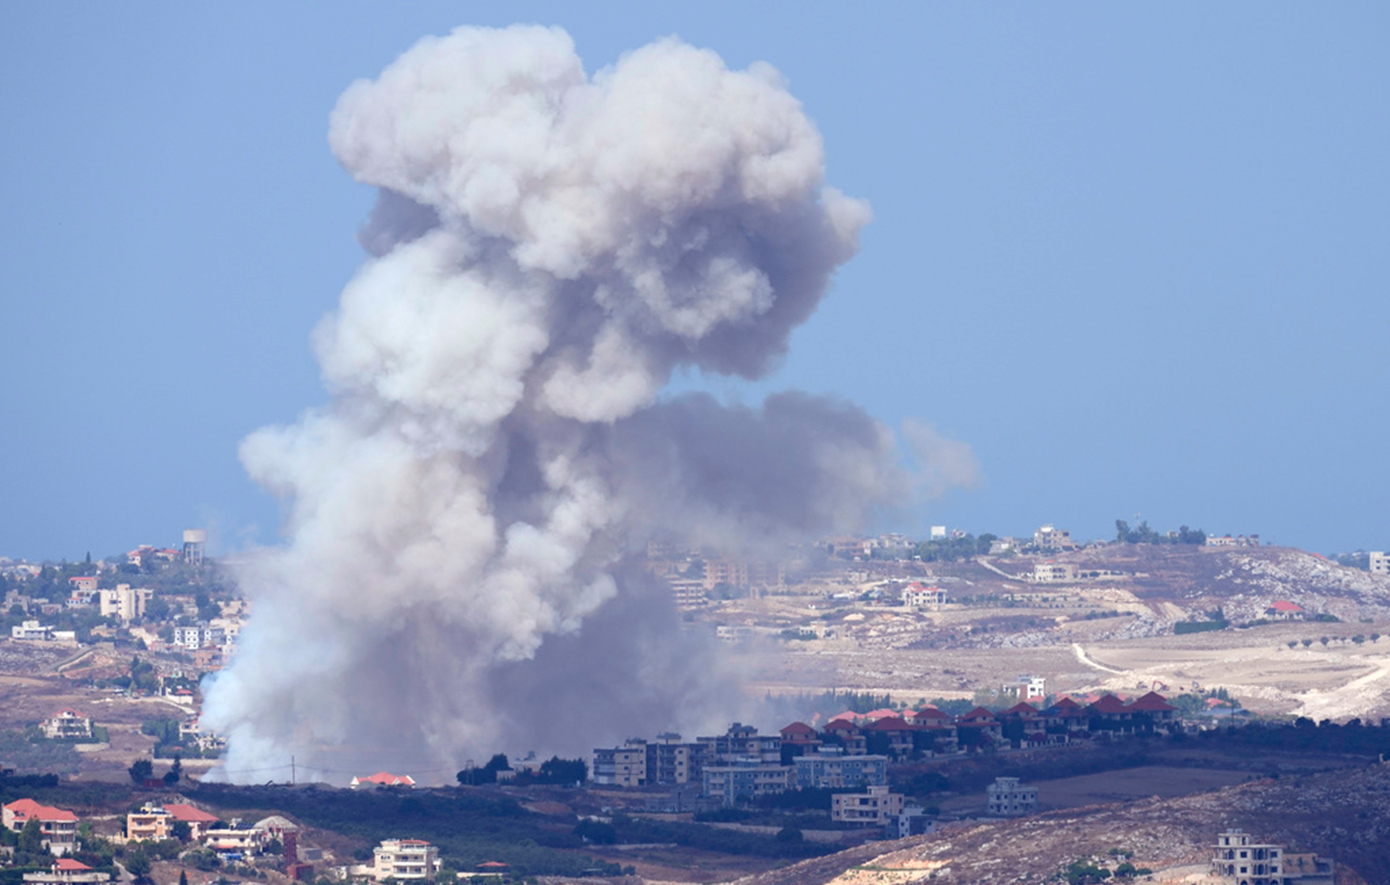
(125, 603)
(1049, 537)
(1006, 797)
(405, 859)
(875, 807)
(1051, 572)
(1380, 563)
(919, 596)
(32, 630)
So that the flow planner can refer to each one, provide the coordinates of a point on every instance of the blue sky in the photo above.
(1134, 255)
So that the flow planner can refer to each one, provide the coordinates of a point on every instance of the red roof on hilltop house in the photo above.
(1109, 704)
(1284, 605)
(848, 715)
(1066, 705)
(881, 713)
(387, 779)
(69, 712)
(929, 713)
(190, 815)
(1153, 702)
(979, 714)
(68, 865)
(1022, 708)
(890, 723)
(28, 808)
(840, 725)
(798, 728)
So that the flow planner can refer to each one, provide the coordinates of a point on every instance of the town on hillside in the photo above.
(1158, 667)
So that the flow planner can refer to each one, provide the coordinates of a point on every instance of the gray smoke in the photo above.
(547, 249)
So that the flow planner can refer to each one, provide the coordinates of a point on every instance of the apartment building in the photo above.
(1006, 797)
(920, 596)
(624, 766)
(874, 807)
(744, 779)
(1380, 562)
(1051, 572)
(829, 768)
(125, 603)
(1239, 858)
(404, 859)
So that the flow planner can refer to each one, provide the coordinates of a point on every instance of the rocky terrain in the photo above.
(1344, 816)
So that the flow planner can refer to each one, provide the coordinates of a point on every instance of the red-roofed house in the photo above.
(58, 826)
(1283, 610)
(843, 733)
(383, 779)
(198, 820)
(799, 738)
(65, 870)
(1155, 708)
(1110, 713)
(978, 728)
(890, 736)
(881, 713)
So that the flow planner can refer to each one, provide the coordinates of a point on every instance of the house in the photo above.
(382, 779)
(874, 807)
(1053, 572)
(1237, 857)
(66, 870)
(914, 821)
(1155, 709)
(1066, 717)
(1110, 713)
(978, 728)
(624, 766)
(33, 631)
(1283, 610)
(799, 739)
(919, 596)
(67, 725)
(405, 859)
(83, 584)
(125, 603)
(1006, 797)
(891, 735)
(236, 841)
(1379, 562)
(58, 826)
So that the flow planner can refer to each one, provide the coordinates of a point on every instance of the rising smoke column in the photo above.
(547, 248)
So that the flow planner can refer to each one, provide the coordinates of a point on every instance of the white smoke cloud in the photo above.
(547, 248)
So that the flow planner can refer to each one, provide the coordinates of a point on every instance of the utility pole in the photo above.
(291, 770)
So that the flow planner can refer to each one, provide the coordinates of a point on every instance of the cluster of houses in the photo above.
(855, 749)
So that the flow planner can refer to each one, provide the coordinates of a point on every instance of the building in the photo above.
(1239, 858)
(236, 841)
(1053, 572)
(382, 779)
(1283, 610)
(742, 780)
(914, 821)
(57, 826)
(83, 584)
(1236, 541)
(738, 743)
(688, 593)
(125, 603)
(828, 768)
(32, 630)
(875, 807)
(404, 859)
(67, 725)
(66, 870)
(1380, 562)
(1050, 537)
(919, 596)
(1006, 797)
(624, 766)
(156, 822)
(194, 542)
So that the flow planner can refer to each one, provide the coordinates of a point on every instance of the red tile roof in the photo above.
(29, 808)
(1022, 708)
(798, 728)
(929, 713)
(882, 713)
(979, 713)
(190, 815)
(890, 723)
(840, 725)
(1284, 605)
(1109, 704)
(68, 865)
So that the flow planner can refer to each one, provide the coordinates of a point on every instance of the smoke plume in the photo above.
(546, 249)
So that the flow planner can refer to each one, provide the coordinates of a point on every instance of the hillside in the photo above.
(1339, 815)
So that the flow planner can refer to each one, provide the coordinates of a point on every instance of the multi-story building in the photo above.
(156, 822)
(1006, 797)
(920, 596)
(740, 742)
(1050, 537)
(405, 859)
(742, 780)
(32, 630)
(1238, 857)
(125, 603)
(875, 807)
(624, 766)
(688, 593)
(829, 768)
(67, 725)
(58, 826)
(1380, 563)
(1051, 572)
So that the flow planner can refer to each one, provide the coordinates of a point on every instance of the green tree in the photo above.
(141, 770)
(175, 771)
(183, 877)
(181, 830)
(137, 863)
(29, 848)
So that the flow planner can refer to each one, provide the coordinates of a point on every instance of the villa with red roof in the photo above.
(1155, 708)
(66, 871)
(58, 826)
(383, 779)
(1283, 610)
